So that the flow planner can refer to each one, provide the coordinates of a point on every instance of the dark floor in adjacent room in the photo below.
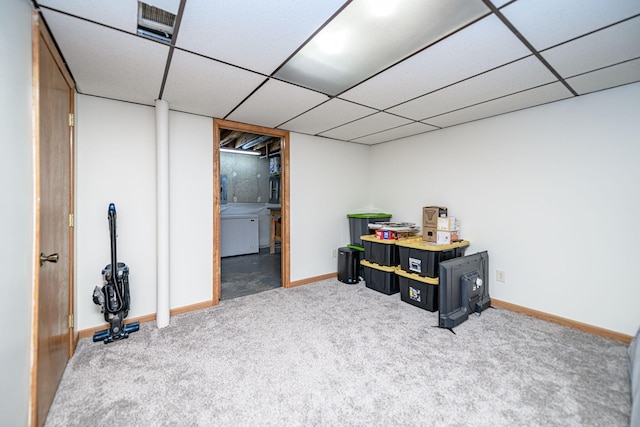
(249, 274)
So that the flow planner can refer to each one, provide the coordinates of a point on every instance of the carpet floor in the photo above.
(328, 353)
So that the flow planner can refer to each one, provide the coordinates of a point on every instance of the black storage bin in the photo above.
(417, 290)
(348, 265)
(423, 258)
(380, 278)
(381, 252)
(359, 224)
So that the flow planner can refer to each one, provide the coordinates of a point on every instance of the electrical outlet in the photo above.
(501, 276)
(334, 253)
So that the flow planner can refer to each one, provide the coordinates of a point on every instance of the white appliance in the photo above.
(239, 234)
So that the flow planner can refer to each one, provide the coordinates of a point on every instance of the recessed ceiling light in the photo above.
(371, 35)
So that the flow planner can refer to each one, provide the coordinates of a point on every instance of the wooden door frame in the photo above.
(40, 31)
(219, 124)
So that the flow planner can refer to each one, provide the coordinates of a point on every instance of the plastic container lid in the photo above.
(375, 266)
(417, 278)
(430, 246)
(358, 248)
(374, 239)
(369, 215)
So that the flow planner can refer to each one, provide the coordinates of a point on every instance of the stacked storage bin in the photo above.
(379, 264)
(359, 225)
(381, 259)
(419, 270)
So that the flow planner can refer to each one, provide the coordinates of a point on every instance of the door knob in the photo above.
(51, 258)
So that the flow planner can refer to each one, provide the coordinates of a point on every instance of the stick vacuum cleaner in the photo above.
(113, 296)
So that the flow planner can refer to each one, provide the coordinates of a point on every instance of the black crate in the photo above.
(359, 225)
(417, 290)
(380, 278)
(424, 258)
(381, 252)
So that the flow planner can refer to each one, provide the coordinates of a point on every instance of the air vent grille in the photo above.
(155, 23)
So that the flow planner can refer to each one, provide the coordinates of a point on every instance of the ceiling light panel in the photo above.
(256, 35)
(517, 76)
(275, 103)
(109, 63)
(464, 54)
(537, 96)
(371, 35)
(366, 126)
(627, 72)
(331, 114)
(411, 129)
(545, 23)
(214, 90)
(606, 47)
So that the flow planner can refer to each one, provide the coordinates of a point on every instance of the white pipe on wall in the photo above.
(162, 213)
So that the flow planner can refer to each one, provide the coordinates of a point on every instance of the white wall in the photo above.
(115, 163)
(191, 208)
(17, 213)
(329, 179)
(551, 192)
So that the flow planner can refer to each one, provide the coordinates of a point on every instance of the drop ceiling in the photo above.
(224, 58)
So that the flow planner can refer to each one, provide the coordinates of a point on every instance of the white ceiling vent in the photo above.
(155, 23)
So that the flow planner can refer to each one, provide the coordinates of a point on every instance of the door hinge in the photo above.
(70, 220)
(71, 321)
(71, 120)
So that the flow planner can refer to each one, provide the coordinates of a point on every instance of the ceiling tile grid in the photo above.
(109, 63)
(485, 45)
(366, 126)
(411, 129)
(515, 77)
(327, 116)
(529, 98)
(198, 85)
(596, 50)
(225, 55)
(256, 35)
(276, 102)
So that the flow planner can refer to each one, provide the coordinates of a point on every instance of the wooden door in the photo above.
(53, 337)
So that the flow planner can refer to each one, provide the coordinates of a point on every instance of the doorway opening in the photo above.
(251, 209)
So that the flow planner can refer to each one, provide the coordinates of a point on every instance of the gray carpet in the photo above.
(334, 354)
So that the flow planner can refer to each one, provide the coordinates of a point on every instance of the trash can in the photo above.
(348, 265)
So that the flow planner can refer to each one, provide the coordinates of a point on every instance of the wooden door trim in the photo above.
(40, 32)
(284, 160)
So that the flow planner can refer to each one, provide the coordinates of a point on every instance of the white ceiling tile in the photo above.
(499, 3)
(214, 89)
(250, 33)
(121, 14)
(517, 76)
(478, 48)
(607, 47)
(541, 95)
(366, 126)
(276, 102)
(627, 72)
(107, 62)
(327, 116)
(545, 23)
(414, 128)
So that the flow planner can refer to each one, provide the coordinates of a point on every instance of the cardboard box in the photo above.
(448, 223)
(446, 237)
(430, 215)
(429, 234)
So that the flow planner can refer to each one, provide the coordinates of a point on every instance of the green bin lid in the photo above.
(369, 215)
(358, 248)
